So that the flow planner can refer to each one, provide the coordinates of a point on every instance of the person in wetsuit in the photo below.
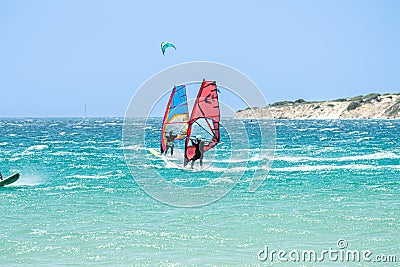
(199, 152)
(170, 142)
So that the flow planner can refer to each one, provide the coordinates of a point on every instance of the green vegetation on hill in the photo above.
(289, 103)
(353, 105)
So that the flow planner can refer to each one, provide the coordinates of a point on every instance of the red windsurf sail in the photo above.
(204, 119)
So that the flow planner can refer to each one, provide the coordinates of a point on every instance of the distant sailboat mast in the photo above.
(85, 116)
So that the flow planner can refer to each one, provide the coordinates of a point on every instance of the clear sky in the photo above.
(55, 56)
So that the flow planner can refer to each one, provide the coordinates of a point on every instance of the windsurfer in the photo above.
(199, 152)
(170, 142)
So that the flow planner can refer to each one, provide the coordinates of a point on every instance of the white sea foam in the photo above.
(38, 232)
(296, 159)
(222, 180)
(88, 176)
(374, 156)
(112, 142)
(37, 147)
(329, 129)
(62, 153)
(309, 168)
(27, 180)
(133, 147)
(241, 160)
(179, 180)
(236, 169)
(324, 167)
(378, 155)
(397, 167)
(364, 138)
(31, 150)
(353, 132)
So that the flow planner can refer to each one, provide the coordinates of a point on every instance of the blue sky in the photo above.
(57, 55)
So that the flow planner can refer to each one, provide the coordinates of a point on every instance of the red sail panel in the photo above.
(204, 119)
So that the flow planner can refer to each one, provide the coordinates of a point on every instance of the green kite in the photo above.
(165, 45)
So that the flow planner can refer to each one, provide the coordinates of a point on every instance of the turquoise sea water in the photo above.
(77, 204)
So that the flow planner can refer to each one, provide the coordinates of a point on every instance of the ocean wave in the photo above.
(69, 186)
(37, 147)
(27, 180)
(209, 168)
(38, 232)
(87, 176)
(374, 156)
(252, 159)
(353, 132)
(222, 180)
(309, 168)
(302, 168)
(180, 180)
(133, 147)
(378, 155)
(62, 153)
(364, 139)
(112, 142)
(31, 150)
(235, 169)
(15, 124)
(329, 129)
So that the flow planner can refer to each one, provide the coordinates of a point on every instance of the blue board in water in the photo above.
(9, 180)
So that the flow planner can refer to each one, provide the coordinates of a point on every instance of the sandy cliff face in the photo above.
(373, 106)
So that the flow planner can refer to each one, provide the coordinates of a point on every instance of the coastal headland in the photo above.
(371, 106)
